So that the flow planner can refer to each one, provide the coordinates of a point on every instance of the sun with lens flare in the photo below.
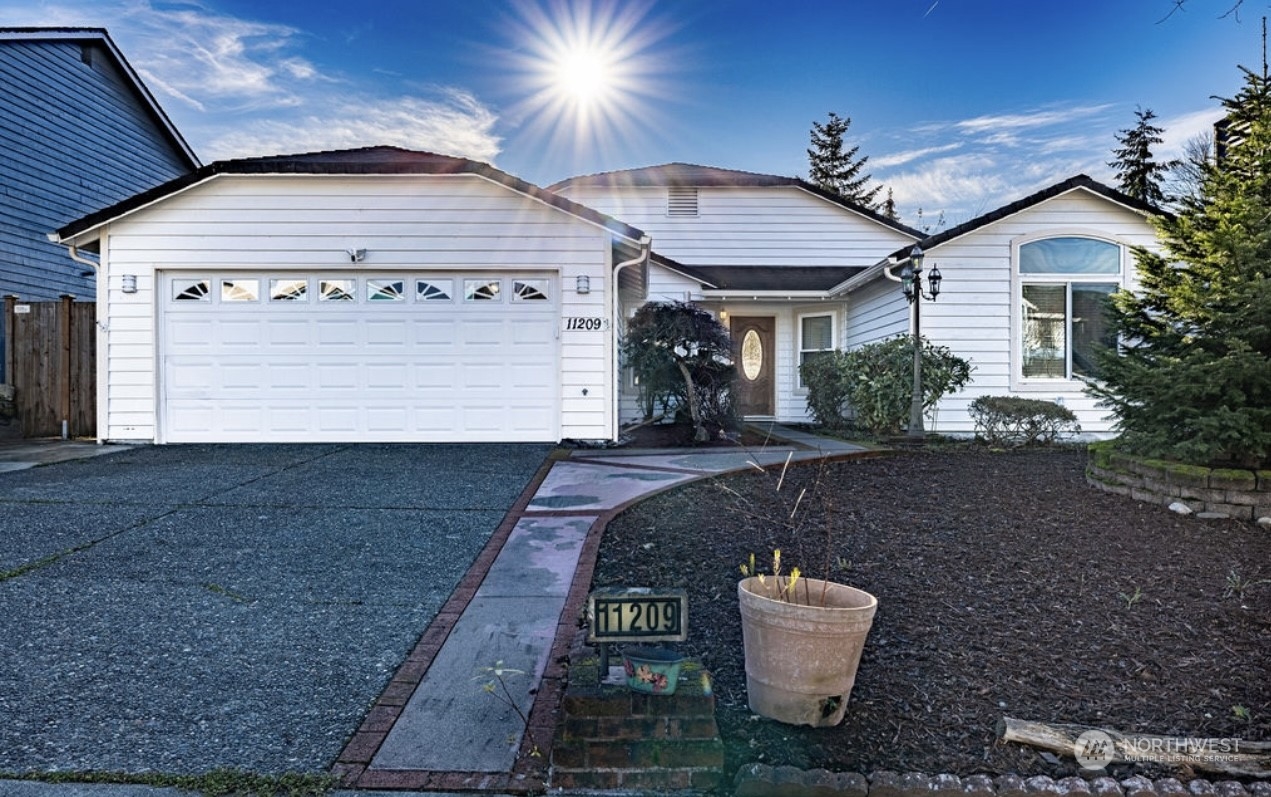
(591, 78)
(582, 75)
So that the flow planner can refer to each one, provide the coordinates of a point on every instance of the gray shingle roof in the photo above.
(363, 161)
(688, 175)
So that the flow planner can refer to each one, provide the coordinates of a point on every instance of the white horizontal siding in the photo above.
(305, 223)
(760, 226)
(876, 312)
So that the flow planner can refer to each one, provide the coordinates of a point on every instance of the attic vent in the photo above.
(681, 201)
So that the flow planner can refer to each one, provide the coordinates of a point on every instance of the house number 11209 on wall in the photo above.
(637, 614)
(586, 323)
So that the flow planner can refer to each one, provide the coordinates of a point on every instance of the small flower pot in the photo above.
(654, 671)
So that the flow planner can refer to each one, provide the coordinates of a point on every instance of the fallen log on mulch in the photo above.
(1107, 746)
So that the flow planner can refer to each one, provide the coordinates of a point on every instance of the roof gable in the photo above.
(690, 175)
(380, 160)
(101, 38)
(1078, 182)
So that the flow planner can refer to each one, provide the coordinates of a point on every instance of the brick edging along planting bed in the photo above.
(1235, 493)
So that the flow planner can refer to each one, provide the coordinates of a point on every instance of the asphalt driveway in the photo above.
(185, 608)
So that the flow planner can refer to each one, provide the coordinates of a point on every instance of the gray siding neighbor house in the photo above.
(79, 131)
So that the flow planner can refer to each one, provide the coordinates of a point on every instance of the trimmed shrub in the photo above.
(1013, 422)
(876, 382)
(827, 378)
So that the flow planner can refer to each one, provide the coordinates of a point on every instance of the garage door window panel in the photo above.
(240, 290)
(337, 291)
(288, 290)
(381, 290)
(530, 290)
(482, 290)
(433, 290)
(187, 290)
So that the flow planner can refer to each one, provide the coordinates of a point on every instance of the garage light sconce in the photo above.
(356, 255)
(129, 283)
(582, 283)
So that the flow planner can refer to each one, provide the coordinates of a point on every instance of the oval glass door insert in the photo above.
(751, 355)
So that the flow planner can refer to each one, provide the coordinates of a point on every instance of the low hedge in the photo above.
(1013, 422)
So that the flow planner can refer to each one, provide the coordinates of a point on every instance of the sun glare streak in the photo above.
(590, 79)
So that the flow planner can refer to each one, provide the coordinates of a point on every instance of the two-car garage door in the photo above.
(342, 357)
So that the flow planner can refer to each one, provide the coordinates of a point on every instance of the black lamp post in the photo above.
(911, 284)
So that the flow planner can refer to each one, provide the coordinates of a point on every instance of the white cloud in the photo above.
(901, 158)
(1181, 129)
(454, 123)
(1028, 119)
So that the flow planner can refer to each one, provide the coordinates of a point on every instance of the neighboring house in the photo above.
(78, 130)
(365, 295)
(792, 271)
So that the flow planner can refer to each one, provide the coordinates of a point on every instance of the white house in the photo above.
(794, 270)
(387, 295)
(364, 295)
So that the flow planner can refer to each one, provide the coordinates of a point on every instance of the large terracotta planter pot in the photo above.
(801, 660)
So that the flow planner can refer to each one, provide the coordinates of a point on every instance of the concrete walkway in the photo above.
(20, 454)
(437, 727)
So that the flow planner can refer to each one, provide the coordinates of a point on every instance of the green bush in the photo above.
(877, 382)
(1011, 421)
(826, 377)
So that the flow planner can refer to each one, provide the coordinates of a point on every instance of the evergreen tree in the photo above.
(1137, 173)
(888, 208)
(834, 169)
(1193, 379)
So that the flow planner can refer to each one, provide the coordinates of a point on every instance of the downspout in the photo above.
(615, 310)
(73, 250)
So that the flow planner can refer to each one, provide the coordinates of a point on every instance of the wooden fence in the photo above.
(50, 351)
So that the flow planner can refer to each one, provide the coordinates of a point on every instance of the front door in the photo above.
(753, 352)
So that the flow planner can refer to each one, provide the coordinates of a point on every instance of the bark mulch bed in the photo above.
(1006, 587)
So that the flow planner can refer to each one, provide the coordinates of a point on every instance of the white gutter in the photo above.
(758, 296)
(615, 314)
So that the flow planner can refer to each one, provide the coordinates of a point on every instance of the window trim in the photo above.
(800, 350)
(1120, 280)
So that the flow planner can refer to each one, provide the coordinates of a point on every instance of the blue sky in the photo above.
(961, 105)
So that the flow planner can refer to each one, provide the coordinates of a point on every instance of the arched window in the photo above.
(1064, 285)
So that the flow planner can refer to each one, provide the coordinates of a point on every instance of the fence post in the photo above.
(64, 363)
(9, 301)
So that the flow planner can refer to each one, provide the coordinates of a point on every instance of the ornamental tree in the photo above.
(1191, 378)
(681, 354)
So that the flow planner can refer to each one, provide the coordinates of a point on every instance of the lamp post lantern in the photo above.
(911, 284)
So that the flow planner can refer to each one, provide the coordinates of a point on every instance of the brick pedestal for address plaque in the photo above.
(613, 738)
